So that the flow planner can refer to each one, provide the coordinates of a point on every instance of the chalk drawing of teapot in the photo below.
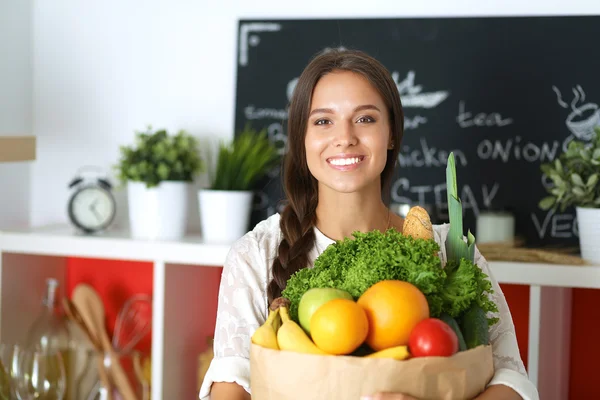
(583, 117)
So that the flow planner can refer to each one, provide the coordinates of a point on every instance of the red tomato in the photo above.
(432, 337)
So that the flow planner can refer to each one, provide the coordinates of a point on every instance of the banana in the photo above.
(397, 353)
(266, 334)
(292, 337)
(275, 305)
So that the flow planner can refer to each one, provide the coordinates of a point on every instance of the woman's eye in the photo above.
(366, 119)
(322, 122)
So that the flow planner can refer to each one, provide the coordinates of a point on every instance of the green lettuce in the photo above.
(465, 285)
(355, 264)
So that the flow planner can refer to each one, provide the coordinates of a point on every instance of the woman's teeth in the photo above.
(345, 161)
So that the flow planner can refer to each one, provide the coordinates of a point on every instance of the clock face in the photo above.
(92, 208)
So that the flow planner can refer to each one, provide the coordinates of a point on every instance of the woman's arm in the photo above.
(242, 307)
(499, 392)
(508, 366)
(228, 391)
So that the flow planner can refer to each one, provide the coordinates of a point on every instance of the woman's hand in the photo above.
(492, 392)
(388, 396)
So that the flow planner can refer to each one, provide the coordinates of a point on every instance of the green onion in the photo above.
(456, 247)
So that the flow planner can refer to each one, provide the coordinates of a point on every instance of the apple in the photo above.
(314, 298)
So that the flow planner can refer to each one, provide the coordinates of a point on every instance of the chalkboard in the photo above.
(504, 94)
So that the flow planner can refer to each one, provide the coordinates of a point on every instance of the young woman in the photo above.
(344, 131)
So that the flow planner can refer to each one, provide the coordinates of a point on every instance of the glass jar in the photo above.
(131, 365)
(6, 385)
(49, 334)
(40, 375)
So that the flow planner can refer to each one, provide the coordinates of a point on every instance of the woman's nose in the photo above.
(345, 135)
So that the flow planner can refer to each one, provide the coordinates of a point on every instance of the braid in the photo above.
(298, 240)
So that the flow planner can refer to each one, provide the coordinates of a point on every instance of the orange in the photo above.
(393, 308)
(339, 326)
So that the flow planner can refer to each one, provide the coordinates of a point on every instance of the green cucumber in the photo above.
(454, 325)
(475, 327)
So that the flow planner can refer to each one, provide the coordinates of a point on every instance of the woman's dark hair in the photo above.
(298, 216)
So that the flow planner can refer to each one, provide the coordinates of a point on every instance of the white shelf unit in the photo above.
(550, 275)
(29, 256)
(549, 328)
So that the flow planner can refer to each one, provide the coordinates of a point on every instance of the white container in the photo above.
(159, 212)
(224, 214)
(495, 227)
(588, 222)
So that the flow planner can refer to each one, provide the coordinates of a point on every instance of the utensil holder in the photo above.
(105, 388)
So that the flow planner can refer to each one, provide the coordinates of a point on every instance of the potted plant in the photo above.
(158, 170)
(575, 174)
(226, 204)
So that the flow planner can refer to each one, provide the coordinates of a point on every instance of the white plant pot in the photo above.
(224, 214)
(159, 212)
(588, 221)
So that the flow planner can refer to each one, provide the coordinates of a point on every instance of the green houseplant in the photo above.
(575, 175)
(158, 156)
(243, 161)
(158, 170)
(226, 203)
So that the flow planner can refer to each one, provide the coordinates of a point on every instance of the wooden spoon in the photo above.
(73, 313)
(91, 308)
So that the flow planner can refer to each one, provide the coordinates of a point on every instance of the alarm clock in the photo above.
(92, 206)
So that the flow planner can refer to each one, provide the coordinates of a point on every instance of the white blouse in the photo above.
(243, 307)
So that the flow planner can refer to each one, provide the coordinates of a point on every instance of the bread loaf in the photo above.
(418, 224)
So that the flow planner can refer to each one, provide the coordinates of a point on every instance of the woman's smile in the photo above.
(345, 162)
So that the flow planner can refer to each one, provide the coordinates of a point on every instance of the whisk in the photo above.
(134, 321)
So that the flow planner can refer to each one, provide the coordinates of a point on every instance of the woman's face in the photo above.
(348, 134)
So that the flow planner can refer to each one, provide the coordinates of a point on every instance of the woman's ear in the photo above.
(391, 140)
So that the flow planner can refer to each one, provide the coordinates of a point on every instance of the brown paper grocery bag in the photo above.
(284, 375)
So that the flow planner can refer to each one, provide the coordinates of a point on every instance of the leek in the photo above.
(456, 247)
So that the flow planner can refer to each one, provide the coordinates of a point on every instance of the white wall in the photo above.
(15, 107)
(103, 69)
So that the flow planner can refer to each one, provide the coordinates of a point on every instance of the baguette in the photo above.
(418, 224)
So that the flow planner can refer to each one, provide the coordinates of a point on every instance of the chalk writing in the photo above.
(582, 119)
(555, 225)
(250, 112)
(290, 88)
(466, 120)
(253, 40)
(426, 156)
(403, 192)
(412, 95)
(414, 122)
(504, 149)
(277, 136)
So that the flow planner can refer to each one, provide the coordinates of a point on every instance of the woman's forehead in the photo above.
(344, 88)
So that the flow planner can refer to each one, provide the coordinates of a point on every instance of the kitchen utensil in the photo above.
(134, 321)
(73, 312)
(91, 308)
(139, 373)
